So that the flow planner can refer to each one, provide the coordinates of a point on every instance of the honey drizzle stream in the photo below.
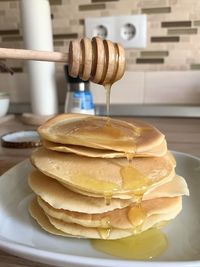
(108, 85)
(146, 245)
(108, 91)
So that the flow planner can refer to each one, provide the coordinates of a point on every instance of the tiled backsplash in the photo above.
(173, 29)
(173, 45)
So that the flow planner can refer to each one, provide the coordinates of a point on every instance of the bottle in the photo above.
(79, 98)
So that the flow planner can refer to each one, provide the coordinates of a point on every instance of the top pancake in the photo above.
(101, 133)
(118, 218)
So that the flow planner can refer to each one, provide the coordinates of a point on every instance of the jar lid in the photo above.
(21, 139)
(71, 79)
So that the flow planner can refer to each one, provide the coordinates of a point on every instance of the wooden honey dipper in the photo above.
(98, 60)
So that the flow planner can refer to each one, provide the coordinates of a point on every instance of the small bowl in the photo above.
(4, 103)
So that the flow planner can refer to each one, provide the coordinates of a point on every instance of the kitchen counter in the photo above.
(182, 134)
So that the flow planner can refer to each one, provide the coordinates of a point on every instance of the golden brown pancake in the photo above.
(60, 197)
(103, 177)
(72, 229)
(101, 133)
(38, 214)
(176, 187)
(117, 218)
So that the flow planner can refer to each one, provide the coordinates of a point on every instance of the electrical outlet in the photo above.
(129, 31)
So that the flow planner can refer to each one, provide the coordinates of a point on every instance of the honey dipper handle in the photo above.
(8, 53)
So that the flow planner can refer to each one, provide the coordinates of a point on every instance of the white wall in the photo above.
(171, 87)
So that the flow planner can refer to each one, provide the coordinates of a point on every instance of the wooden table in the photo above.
(182, 135)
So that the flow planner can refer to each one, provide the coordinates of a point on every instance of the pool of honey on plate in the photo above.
(143, 246)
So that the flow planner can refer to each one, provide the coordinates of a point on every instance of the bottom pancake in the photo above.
(123, 218)
(38, 214)
(59, 227)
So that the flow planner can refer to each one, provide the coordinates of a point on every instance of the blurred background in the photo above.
(163, 73)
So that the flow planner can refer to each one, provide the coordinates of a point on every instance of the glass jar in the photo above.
(79, 97)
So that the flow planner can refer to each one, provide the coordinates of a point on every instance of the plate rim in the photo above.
(32, 253)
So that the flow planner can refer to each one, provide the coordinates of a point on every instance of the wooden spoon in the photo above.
(98, 60)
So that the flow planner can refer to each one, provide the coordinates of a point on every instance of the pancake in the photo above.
(60, 197)
(176, 187)
(101, 133)
(114, 233)
(118, 218)
(104, 177)
(38, 214)
(72, 229)
(52, 226)
(158, 151)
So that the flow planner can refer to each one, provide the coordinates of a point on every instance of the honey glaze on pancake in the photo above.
(105, 187)
(103, 130)
(133, 182)
(146, 245)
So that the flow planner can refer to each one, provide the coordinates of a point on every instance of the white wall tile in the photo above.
(179, 87)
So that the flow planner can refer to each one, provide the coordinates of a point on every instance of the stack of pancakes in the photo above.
(103, 178)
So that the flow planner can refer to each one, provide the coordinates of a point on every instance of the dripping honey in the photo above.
(137, 215)
(104, 233)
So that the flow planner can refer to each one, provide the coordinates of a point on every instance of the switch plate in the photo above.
(129, 31)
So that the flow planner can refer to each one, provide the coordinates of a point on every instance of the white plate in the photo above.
(20, 235)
